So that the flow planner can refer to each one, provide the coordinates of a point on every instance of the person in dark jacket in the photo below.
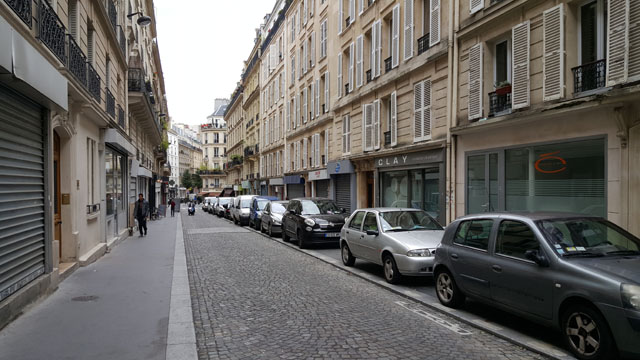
(173, 207)
(141, 212)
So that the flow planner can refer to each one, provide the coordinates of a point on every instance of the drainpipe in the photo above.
(452, 94)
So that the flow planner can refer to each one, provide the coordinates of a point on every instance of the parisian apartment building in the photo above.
(82, 119)
(452, 107)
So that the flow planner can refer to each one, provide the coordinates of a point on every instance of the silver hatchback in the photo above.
(578, 273)
(403, 241)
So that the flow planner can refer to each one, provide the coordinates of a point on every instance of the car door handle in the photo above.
(347, 231)
(454, 256)
(497, 268)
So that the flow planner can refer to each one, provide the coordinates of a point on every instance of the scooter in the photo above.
(192, 210)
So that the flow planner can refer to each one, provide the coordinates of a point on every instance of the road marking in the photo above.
(436, 319)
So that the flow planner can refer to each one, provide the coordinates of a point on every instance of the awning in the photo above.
(227, 192)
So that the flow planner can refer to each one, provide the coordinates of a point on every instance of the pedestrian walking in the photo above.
(173, 207)
(141, 211)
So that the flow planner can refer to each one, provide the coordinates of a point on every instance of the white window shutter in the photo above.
(352, 11)
(393, 124)
(312, 50)
(305, 61)
(305, 149)
(312, 6)
(618, 42)
(296, 122)
(277, 163)
(378, 47)
(408, 29)
(520, 56)
(475, 81)
(367, 127)
(317, 98)
(304, 11)
(359, 60)
(312, 112)
(372, 58)
(313, 151)
(361, 6)
(418, 91)
(434, 35)
(553, 40)
(351, 60)
(288, 116)
(376, 124)
(327, 97)
(318, 157)
(475, 6)
(344, 133)
(323, 39)
(427, 114)
(339, 93)
(340, 16)
(395, 37)
(326, 146)
(634, 41)
(305, 96)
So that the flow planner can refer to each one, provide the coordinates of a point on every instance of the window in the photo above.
(474, 234)
(91, 163)
(370, 222)
(515, 238)
(502, 63)
(592, 32)
(323, 39)
(356, 221)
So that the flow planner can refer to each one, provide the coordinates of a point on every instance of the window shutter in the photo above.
(408, 29)
(520, 56)
(367, 126)
(313, 151)
(296, 122)
(395, 36)
(305, 60)
(272, 53)
(634, 40)
(361, 7)
(305, 149)
(393, 125)
(352, 11)
(276, 85)
(317, 98)
(376, 124)
(418, 96)
(434, 36)
(323, 39)
(313, 49)
(304, 11)
(312, 7)
(372, 58)
(359, 64)
(475, 81)
(351, 60)
(288, 116)
(344, 133)
(339, 75)
(317, 161)
(327, 98)
(341, 16)
(553, 33)
(313, 102)
(378, 47)
(305, 113)
(277, 163)
(427, 114)
(476, 5)
(618, 32)
(326, 146)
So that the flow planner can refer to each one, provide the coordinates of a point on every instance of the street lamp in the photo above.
(142, 20)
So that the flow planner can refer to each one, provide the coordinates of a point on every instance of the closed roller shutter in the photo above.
(295, 191)
(22, 185)
(322, 188)
(343, 192)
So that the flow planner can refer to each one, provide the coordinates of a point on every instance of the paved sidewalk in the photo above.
(116, 308)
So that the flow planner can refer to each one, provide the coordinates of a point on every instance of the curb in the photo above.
(513, 337)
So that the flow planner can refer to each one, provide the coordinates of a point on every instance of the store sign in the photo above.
(340, 167)
(419, 158)
(246, 184)
(235, 188)
(318, 175)
(277, 181)
(293, 179)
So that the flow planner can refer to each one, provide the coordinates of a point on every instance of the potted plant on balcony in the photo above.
(503, 88)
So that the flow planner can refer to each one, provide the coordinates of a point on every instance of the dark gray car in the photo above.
(577, 273)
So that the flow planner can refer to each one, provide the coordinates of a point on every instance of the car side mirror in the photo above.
(537, 257)
(343, 210)
(373, 232)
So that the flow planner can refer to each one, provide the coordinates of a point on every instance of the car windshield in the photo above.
(588, 236)
(403, 220)
(319, 207)
(262, 203)
(223, 201)
(277, 208)
(245, 203)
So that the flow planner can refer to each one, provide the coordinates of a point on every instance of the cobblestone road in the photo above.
(254, 298)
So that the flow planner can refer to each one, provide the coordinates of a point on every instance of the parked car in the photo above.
(219, 207)
(578, 273)
(312, 220)
(403, 241)
(271, 221)
(207, 204)
(255, 210)
(240, 209)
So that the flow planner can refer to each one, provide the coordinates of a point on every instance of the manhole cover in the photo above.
(85, 298)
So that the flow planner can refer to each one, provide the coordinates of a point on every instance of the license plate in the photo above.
(332, 235)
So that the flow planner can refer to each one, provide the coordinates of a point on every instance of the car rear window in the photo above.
(474, 233)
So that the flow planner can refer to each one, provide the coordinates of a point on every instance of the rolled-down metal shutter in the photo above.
(295, 191)
(22, 195)
(322, 188)
(343, 191)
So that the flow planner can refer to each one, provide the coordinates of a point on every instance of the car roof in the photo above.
(387, 209)
(245, 196)
(266, 197)
(528, 215)
(312, 198)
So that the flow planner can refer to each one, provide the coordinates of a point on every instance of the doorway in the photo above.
(57, 198)
(634, 181)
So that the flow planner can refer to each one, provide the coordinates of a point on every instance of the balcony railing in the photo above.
(111, 103)
(346, 89)
(122, 40)
(121, 120)
(257, 149)
(387, 64)
(423, 44)
(94, 83)
(368, 76)
(51, 31)
(589, 76)
(248, 151)
(22, 8)
(77, 61)
(113, 14)
(499, 103)
(136, 80)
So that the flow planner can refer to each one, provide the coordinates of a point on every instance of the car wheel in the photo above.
(391, 273)
(447, 290)
(347, 257)
(285, 236)
(587, 333)
(270, 229)
(302, 244)
(258, 225)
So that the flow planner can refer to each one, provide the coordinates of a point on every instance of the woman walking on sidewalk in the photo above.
(141, 211)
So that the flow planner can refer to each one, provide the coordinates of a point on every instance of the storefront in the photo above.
(245, 189)
(276, 188)
(264, 190)
(343, 184)
(295, 186)
(116, 162)
(568, 176)
(320, 182)
(413, 180)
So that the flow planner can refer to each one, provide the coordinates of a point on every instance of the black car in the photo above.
(312, 221)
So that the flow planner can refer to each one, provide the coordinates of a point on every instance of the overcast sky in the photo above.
(202, 47)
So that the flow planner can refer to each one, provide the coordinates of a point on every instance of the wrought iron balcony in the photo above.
(77, 61)
(121, 120)
(387, 64)
(248, 151)
(368, 76)
(423, 44)
(94, 83)
(257, 149)
(51, 31)
(499, 103)
(589, 76)
(113, 14)
(111, 103)
(346, 89)
(22, 8)
(122, 40)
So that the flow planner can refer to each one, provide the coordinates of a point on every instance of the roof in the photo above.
(220, 111)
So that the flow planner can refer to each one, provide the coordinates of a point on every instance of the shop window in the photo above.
(418, 189)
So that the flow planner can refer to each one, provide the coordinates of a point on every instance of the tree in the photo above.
(196, 181)
(186, 180)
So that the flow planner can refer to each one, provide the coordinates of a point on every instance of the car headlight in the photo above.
(276, 222)
(630, 296)
(309, 222)
(419, 253)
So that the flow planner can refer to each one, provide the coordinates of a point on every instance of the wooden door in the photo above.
(57, 216)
